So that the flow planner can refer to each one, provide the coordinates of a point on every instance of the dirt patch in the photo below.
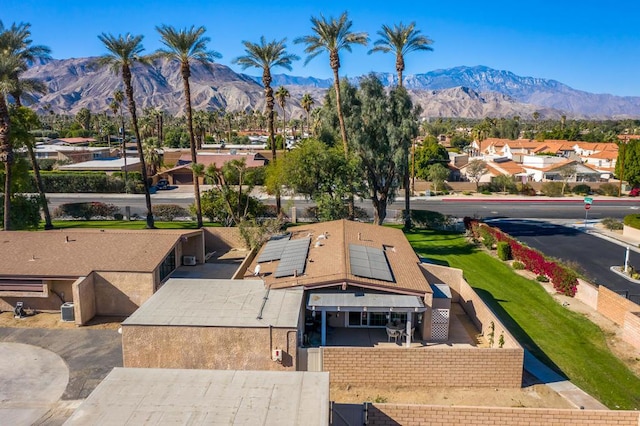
(54, 321)
(534, 396)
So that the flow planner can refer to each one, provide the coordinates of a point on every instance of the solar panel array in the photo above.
(369, 262)
(294, 258)
(274, 248)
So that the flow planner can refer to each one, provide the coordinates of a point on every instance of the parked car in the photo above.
(634, 192)
(162, 184)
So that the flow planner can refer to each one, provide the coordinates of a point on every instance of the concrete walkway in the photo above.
(33, 379)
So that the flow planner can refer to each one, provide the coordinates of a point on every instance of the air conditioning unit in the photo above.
(67, 313)
(189, 260)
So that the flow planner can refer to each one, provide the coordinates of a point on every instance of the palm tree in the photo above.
(401, 39)
(16, 51)
(187, 45)
(307, 103)
(265, 56)
(332, 36)
(124, 52)
(282, 94)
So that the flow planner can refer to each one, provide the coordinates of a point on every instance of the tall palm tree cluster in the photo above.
(188, 45)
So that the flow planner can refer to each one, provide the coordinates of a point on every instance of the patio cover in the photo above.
(363, 301)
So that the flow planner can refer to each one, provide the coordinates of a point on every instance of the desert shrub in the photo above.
(608, 189)
(612, 224)
(86, 210)
(518, 266)
(503, 250)
(429, 219)
(582, 189)
(552, 189)
(168, 212)
(487, 238)
(542, 279)
(526, 189)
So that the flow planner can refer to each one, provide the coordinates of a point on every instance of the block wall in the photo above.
(614, 306)
(435, 366)
(427, 415)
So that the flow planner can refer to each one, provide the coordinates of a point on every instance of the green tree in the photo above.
(16, 52)
(566, 173)
(83, 117)
(282, 94)
(437, 174)
(382, 127)
(431, 152)
(401, 40)
(265, 56)
(332, 36)
(24, 120)
(184, 46)
(123, 53)
(475, 171)
(505, 183)
(307, 103)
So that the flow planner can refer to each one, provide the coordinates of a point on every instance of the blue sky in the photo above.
(589, 45)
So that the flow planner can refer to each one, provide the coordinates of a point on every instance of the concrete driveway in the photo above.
(46, 373)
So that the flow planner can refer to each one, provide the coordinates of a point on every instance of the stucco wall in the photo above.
(121, 293)
(425, 415)
(84, 299)
(222, 239)
(51, 302)
(472, 304)
(216, 348)
(457, 367)
(587, 293)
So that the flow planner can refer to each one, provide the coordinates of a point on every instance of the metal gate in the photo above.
(635, 298)
(347, 414)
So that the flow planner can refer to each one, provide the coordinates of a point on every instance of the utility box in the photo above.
(276, 355)
(67, 313)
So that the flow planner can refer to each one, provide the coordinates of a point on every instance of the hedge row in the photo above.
(565, 281)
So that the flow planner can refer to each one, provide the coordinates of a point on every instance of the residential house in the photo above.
(73, 141)
(108, 165)
(181, 173)
(69, 154)
(100, 272)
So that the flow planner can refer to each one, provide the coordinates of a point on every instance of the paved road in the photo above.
(594, 255)
(459, 206)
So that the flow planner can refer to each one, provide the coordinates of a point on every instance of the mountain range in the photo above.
(472, 92)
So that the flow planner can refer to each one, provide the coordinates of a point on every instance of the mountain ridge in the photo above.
(473, 92)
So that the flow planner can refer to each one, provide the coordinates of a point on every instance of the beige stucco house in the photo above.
(102, 272)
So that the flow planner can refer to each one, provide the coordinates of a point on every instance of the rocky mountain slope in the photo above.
(473, 92)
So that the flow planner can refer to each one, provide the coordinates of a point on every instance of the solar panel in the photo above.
(294, 258)
(369, 262)
(273, 248)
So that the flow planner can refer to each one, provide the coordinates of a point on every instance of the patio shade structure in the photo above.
(324, 301)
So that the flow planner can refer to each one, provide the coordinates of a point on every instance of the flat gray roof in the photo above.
(357, 300)
(150, 396)
(219, 303)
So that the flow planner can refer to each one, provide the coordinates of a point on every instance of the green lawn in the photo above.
(563, 339)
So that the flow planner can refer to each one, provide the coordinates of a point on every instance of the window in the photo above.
(168, 265)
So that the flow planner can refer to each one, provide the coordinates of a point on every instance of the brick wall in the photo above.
(631, 329)
(434, 366)
(425, 415)
(614, 306)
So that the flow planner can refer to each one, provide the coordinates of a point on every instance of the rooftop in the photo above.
(75, 253)
(149, 396)
(219, 303)
(329, 258)
(107, 164)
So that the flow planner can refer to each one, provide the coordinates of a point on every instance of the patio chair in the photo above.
(392, 333)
